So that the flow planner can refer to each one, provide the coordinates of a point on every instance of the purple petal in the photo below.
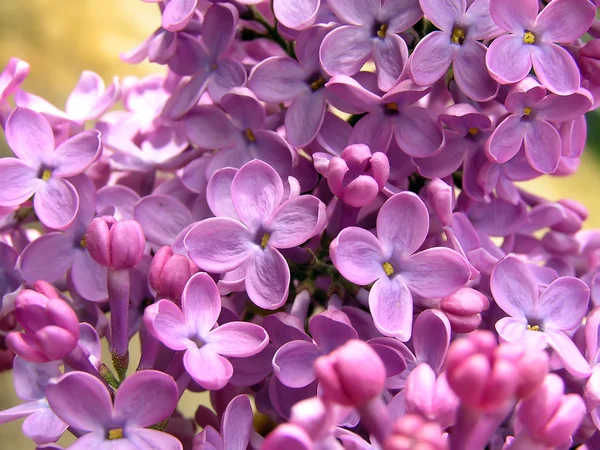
(229, 74)
(358, 255)
(345, 50)
(174, 217)
(256, 192)
(471, 73)
(431, 338)
(561, 108)
(166, 322)
(354, 93)
(295, 221)
(355, 12)
(200, 304)
(435, 272)
(236, 424)
(447, 161)
(209, 127)
(18, 182)
(268, 278)
(75, 155)
(120, 197)
(444, 14)
(271, 148)
(30, 379)
(294, 14)
(391, 305)
(568, 353)
(81, 400)
(44, 426)
(20, 411)
(431, 58)
(293, 363)
(29, 135)
(148, 439)
(88, 277)
(243, 107)
(218, 28)
(556, 68)
(14, 74)
(564, 303)
(565, 21)
(218, 193)
(331, 329)
(390, 55)
(542, 146)
(406, 236)
(515, 330)
(238, 339)
(514, 15)
(304, 117)
(290, 437)
(513, 287)
(480, 23)
(90, 98)
(400, 15)
(186, 96)
(207, 368)
(56, 203)
(373, 130)
(47, 258)
(277, 79)
(219, 244)
(418, 132)
(506, 140)
(508, 59)
(177, 14)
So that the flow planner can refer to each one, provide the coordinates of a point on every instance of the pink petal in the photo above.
(47, 258)
(243, 107)
(238, 339)
(208, 369)
(435, 272)
(354, 93)
(358, 255)
(56, 203)
(556, 68)
(229, 74)
(568, 353)
(268, 278)
(256, 192)
(219, 244)
(471, 73)
(390, 55)
(515, 330)
(373, 130)
(513, 287)
(564, 303)
(271, 148)
(30, 136)
(480, 23)
(218, 28)
(402, 224)
(514, 15)
(345, 50)
(218, 193)
(506, 140)
(418, 132)
(88, 277)
(209, 127)
(293, 363)
(186, 96)
(14, 74)
(542, 146)
(144, 438)
(201, 304)
(562, 108)
(565, 21)
(431, 338)
(18, 182)
(277, 79)
(43, 426)
(508, 59)
(304, 117)
(137, 408)
(174, 217)
(400, 15)
(236, 424)
(431, 58)
(294, 14)
(295, 221)
(444, 14)
(76, 154)
(355, 12)
(166, 322)
(177, 14)
(391, 305)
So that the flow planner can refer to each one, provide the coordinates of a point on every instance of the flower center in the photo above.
(83, 242)
(458, 36)
(250, 135)
(526, 111)
(265, 240)
(116, 433)
(533, 327)
(392, 107)
(382, 30)
(473, 131)
(46, 174)
(529, 38)
(388, 269)
(317, 84)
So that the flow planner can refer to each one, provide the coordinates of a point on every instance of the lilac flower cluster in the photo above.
(314, 215)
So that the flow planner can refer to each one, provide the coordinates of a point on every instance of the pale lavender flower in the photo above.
(11, 78)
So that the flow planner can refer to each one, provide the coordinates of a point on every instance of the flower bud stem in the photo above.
(118, 298)
(375, 418)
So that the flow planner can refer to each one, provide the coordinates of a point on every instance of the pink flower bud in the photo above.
(547, 415)
(575, 215)
(412, 432)
(464, 308)
(51, 328)
(344, 376)
(357, 175)
(116, 245)
(588, 58)
(170, 272)
(441, 200)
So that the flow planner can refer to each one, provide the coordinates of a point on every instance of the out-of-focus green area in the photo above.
(60, 38)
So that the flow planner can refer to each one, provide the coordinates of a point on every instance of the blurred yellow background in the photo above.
(60, 38)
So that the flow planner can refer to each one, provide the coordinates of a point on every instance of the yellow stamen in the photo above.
(473, 131)
(46, 174)
(388, 269)
(83, 243)
(265, 240)
(458, 36)
(214, 67)
(382, 30)
(529, 37)
(117, 433)
(526, 111)
(250, 135)
(392, 106)
(533, 327)
(317, 84)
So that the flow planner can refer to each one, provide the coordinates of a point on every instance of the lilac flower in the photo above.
(11, 78)
(456, 44)
(191, 328)
(540, 320)
(265, 225)
(178, 13)
(528, 124)
(10, 278)
(41, 423)
(532, 38)
(143, 399)
(388, 261)
(370, 31)
(41, 168)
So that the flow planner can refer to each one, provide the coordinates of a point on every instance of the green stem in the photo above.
(272, 32)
